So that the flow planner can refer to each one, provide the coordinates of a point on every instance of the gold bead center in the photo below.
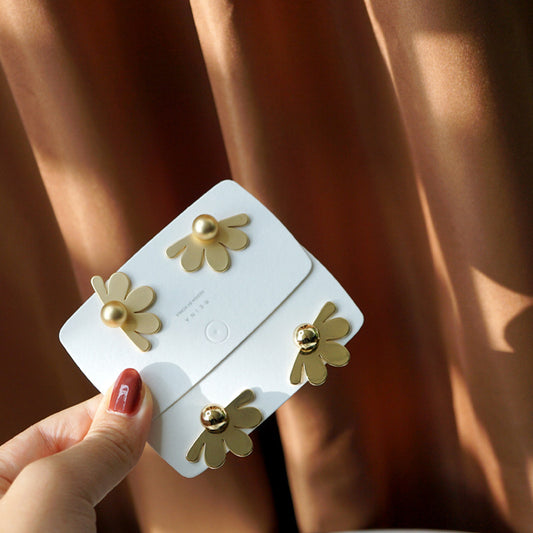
(306, 337)
(214, 418)
(205, 227)
(114, 314)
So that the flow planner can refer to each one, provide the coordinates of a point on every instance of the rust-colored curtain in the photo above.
(394, 139)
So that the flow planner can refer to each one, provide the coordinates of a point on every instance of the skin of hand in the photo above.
(55, 472)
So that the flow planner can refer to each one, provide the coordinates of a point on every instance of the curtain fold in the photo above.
(392, 138)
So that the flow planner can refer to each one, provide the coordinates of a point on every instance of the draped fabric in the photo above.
(394, 139)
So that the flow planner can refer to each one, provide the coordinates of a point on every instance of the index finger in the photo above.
(51, 435)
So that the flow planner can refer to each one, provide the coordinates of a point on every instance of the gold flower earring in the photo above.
(317, 347)
(122, 308)
(210, 237)
(223, 429)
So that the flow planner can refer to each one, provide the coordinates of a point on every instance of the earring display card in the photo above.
(221, 332)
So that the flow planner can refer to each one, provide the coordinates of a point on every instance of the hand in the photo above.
(55, 472)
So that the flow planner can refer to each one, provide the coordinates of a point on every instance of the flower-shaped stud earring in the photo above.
(317, 347)
(211, 237)
(223, 428)
(122, 308)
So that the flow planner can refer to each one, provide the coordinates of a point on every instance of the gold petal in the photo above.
(146, 323)
(235, 220)
(118, 286)
(99, 288)
(296, 372)
(232, 238)
(244, 417)
(246, 396)
(315, 369)
(335, 328)
(193, 455)
(238, 442)
(334, 353)
(174, 249)
(139, 341)
(326, 311)
(217, 256)
(140, 298)
(193, 257)
(215, 452)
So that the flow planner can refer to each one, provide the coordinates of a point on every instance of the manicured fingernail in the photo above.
(126, 394)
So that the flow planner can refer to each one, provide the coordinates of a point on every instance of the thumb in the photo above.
(113, 444)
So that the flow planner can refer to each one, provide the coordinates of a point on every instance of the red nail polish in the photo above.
(126, 394)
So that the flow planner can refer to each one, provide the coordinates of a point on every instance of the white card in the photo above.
(222, 332)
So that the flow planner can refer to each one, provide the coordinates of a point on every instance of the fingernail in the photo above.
(126, 394)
